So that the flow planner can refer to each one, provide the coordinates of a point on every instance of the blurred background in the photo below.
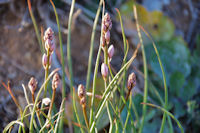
(173, 24)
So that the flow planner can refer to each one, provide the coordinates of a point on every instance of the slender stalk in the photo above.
(128, 115)
(85, 116)
(145, 71)
(164, 80)
(95, 72)
(51, 106)
(37, 113)
(46, 73)
(127, 96)
(62, 62)
(70, 63)
(35, 26)
(92, 46)
(168, 113)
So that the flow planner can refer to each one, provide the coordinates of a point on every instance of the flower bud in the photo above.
(81, 91)
(46, 101)
(56, 81)
(107, 23)
(104, 70)
(83, 101)
(107, 37)
(44, 60)
(49, 45)
(32, 84)
(131, 81)
(111, 51)
(103, 41)
(48, 34)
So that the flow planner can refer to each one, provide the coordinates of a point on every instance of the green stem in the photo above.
(35, 26)
(164, 80)
(62, 62)
(46, 73)
(95, 73)
(92, 46)
(145, 71)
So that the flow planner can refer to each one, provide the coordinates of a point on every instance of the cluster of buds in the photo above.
(55, 81)
(131, 81)
(32, 85)
(82, 95)
(49, 46)
(106, 27)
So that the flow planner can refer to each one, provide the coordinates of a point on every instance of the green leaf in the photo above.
(177, 81)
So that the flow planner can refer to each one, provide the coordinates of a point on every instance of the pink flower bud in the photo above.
(131, 81)
(56, 81)
(44, 60)
(48, 34)
(46, 101)
(32, 84)
(107, 37)
(111, 51)
(49, 45)
(104, 70)
(81, 91)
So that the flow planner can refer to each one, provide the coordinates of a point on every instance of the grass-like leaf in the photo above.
(145, 70)
(168, 113)
(35, 26)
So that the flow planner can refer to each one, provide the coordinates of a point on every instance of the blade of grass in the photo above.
(125, 51)
(62, 62)
(164, 79)
(11, 124)
(35, 27)
(69, 59)
(145, 71)
(95, 74)
(92, 45)
(168, 113)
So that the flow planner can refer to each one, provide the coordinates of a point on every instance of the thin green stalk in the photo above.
(96, 72)
(46, 73)
(35, 26)
(59, 116)
(125, 51)
(92, 46)
(164, 80)
(128, 115)
(51, 106)
(136, 113)
(36, 100)
(22, 118)
(28, 102)
(69, 59)
(62, 62)
(167, 113)
(145, 71)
